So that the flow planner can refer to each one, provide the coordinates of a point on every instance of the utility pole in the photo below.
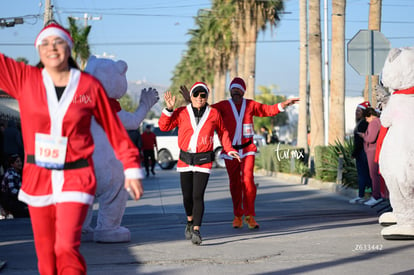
(48, 12)
(374, 23)
(86, 17)
(326, 73)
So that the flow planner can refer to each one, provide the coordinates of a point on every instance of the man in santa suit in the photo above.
(239, 113)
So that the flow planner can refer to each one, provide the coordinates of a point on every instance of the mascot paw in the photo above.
(149, 97)
(119, 235)
(398, 232)
(387, 219)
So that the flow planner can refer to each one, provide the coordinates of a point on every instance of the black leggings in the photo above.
(193, 187)
(149, 156)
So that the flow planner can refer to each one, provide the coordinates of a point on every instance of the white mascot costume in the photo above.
(396, 156)
(111, 194)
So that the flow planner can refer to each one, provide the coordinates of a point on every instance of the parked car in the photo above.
(168, 150)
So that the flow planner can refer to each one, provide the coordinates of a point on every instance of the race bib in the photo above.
(248, 131)
(50, 152)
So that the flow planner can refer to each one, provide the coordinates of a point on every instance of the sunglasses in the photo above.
(202, 95)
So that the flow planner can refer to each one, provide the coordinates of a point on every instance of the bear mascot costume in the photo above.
(396, 139)
(110, 193)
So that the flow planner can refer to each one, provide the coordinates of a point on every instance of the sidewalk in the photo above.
(303, 230)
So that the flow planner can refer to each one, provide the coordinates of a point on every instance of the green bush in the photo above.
(282, 158)
(327, 159)
(289, 159)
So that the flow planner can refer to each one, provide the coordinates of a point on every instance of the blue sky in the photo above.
(151, 35)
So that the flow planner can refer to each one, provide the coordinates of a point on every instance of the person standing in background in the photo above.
(135, 137)
(10, 186)
(370, 144)
(364, 179)
(149, 142)
(12, 141)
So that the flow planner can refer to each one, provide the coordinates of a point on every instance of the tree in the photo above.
(22, 59)
(254, 16)
(337, 98)
(315, 76)
(127, 104)
(80, 50)
(219, 41)
(303, 77)
(267, 97)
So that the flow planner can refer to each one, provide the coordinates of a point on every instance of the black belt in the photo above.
(241, 146)
(197, 158)
(80, 163)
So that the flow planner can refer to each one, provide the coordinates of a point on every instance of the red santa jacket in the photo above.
(193, 137)
(149, 140)
(70, 117)
(239, 121)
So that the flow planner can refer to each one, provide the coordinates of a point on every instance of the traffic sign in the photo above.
(367, 52)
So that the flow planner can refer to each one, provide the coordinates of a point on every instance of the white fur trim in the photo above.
(134, 173)
(199, 85)
(238, 86)
(192, 168)
(192, 147)
(239, 121)
(40, 201)
(166, 112)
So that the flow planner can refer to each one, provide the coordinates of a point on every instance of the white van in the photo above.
(168, 150)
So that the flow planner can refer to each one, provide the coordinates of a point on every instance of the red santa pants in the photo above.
(57, 233)
(242, 187)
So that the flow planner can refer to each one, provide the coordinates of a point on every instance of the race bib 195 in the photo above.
(50, 152)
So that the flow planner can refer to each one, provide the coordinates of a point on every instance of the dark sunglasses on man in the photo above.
(202, 94)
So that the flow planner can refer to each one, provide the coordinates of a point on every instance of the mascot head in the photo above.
(398, 71)
(111, 74)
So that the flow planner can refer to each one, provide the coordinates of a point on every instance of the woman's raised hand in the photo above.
(169, 100)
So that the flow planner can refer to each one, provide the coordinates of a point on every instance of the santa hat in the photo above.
(364, 105)
(56, 30)
(200, 87)
(238, 83)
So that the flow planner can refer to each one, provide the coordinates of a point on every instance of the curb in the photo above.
(311, 182)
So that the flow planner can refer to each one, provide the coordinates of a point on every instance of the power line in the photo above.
(87, 17)
(171, 43)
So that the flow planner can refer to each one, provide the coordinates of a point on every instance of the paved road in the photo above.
(303, 231)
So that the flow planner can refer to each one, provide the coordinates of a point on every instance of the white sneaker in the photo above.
(372, 201)
(356, 200)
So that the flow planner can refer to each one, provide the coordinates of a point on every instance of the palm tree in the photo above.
(315, 76)
(337, 98)
(303, 77)
(22, 59)
(218, 42)
(195, 64)
(255, 15)
(80, 50)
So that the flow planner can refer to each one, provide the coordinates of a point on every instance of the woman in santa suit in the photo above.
(57, 102)
(196, 124)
